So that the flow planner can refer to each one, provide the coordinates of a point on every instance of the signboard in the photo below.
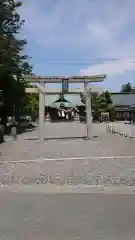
(65, 85)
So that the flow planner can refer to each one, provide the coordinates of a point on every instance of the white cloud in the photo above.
(96, 27)
(57, 25)
(110, 67)
(77, 18)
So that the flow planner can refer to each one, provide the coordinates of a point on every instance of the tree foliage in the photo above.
(13, 64)
(127, 88)
(31, 104)
(100, 102)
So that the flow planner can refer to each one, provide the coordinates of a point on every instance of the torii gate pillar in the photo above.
(41, 111)
(41, 115)
(88, 111)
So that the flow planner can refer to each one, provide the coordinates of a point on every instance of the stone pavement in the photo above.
(66, 140)
(39, 216)
(107, 159)
(73, 172)
(84, 190)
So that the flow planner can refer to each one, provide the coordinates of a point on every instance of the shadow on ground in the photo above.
(61, 138)
(20, 130)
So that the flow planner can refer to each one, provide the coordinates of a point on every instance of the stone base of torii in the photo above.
(43, 91)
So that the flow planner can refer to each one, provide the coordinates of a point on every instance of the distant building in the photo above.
(64, 106)
(124, 104)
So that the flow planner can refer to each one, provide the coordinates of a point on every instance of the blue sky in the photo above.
(81, 37)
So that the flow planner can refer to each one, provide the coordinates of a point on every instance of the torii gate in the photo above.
(43, 90)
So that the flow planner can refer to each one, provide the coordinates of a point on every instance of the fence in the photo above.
(121, 129)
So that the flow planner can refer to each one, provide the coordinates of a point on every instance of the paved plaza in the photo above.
(36, 215)
(66, 157)
(66, 140)
(67, 187)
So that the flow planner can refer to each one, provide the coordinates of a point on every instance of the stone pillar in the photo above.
(41, 115)
(88, 111)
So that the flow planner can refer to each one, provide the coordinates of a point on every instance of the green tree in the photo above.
(100, 103)
(133, 88)
(127, 88)
(13, 64)
(31, 104)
